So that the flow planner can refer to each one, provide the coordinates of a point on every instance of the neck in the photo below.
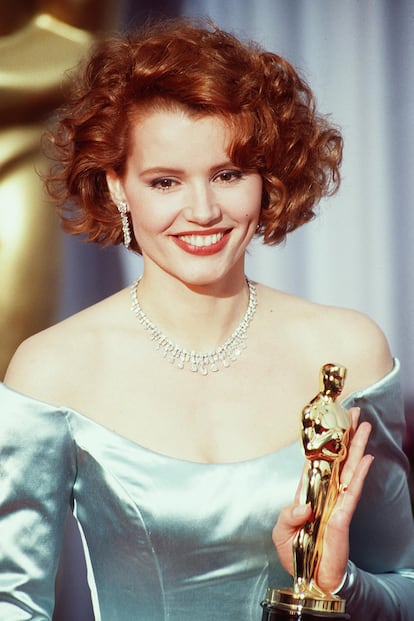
(197, 318)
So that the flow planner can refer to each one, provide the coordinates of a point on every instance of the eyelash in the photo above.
(157, 183)
(233, 174)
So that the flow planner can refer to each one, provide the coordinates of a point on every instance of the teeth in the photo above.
(201, 240)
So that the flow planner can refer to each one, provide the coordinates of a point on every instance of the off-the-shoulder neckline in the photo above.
(134, 444)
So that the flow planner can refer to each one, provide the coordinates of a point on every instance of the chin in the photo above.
(212, 278)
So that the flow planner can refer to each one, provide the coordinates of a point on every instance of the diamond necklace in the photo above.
(198, 362)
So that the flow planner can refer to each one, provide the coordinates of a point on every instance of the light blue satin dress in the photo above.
(168, 539)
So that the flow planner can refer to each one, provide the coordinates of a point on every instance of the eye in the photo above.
(228, 176)
(163, 183)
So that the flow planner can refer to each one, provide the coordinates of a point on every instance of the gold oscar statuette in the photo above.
(325, 437)
(40, 41)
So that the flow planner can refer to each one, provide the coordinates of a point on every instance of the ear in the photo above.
(115, 186)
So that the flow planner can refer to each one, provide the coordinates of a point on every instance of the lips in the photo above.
(202, 243)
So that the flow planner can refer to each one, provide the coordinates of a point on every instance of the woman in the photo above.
(173, 429)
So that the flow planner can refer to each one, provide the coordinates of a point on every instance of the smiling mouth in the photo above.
(201, 241)
(202, 244)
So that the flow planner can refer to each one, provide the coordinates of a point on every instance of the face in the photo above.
(193, 211)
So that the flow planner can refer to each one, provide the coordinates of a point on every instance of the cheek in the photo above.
(252, 207)
(253, 200)
(150, 220)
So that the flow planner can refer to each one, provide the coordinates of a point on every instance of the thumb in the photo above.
(300, 513)
(290, 520)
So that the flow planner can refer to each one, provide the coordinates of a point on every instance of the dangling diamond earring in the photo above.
(123, 210)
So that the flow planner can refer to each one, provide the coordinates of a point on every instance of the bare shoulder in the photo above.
(361, 343)
(49, 364)
(332, 334)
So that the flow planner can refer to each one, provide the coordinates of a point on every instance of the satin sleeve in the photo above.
(37, 470)
(380, 578)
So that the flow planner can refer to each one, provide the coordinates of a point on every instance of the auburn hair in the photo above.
(195, 66)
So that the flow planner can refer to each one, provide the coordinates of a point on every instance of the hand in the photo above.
(335, 552)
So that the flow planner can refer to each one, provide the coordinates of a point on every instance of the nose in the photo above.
(202, 206)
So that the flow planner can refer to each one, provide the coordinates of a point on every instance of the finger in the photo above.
(355, 453)
(349, 498)
(299, 489)
(355, 414)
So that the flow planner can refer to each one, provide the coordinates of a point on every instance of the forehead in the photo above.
(169, 129)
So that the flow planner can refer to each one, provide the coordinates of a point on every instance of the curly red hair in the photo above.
(198, 67)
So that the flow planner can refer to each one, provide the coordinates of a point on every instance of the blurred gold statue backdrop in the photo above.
(39, 41)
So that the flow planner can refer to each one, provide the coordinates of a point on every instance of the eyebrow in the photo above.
(158, 170)
(166, 170)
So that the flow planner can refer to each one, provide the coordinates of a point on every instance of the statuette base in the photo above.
(286, 604)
